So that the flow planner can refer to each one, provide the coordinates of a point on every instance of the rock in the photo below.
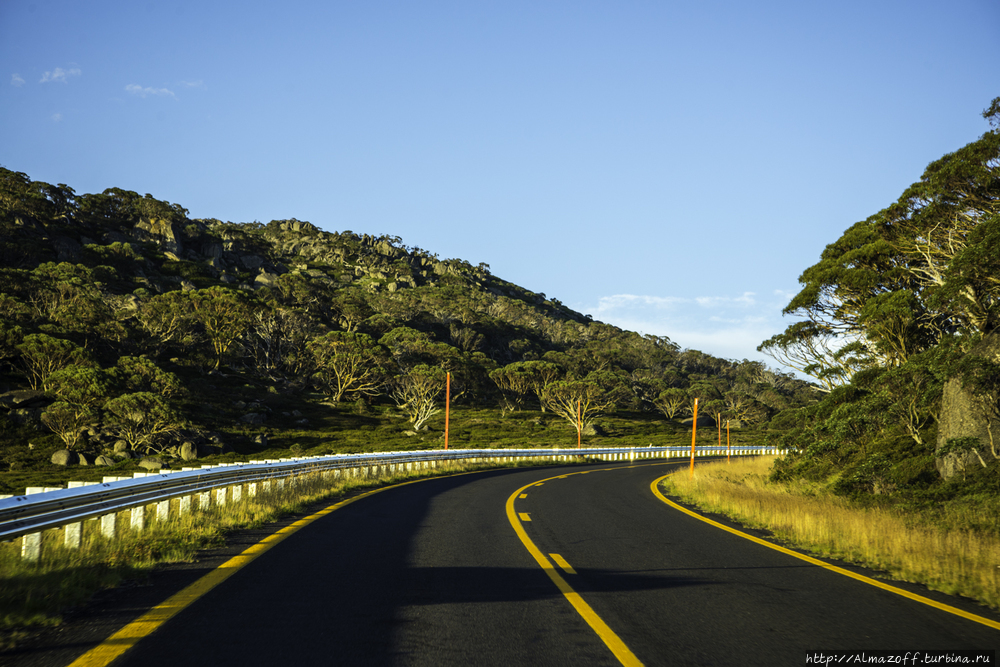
(261, 440)
(85, 459)
(252, 261)
(24, 398)
(104, 461)
(962, 417)
(150, 463)
(703, 420)
(266, 279)
(121, 446)
(592, 429)
(253, 418)
(161, 232)
(64, 457)
(188, 451)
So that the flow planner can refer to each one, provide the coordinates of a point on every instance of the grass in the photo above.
(953, 547)
(37, 594)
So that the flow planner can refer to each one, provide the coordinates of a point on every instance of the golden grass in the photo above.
(921, 547)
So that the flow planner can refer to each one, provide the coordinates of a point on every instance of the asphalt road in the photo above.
(432, 573)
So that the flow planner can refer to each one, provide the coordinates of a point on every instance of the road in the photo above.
(433, 573)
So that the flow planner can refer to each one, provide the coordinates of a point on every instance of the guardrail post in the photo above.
(237, 493)
(163, 510)
(138, 518)
(252, 487)
(73, 536)
(108, 525)
(204, 500)
(184, 506)
(220, 496)
(31, 544)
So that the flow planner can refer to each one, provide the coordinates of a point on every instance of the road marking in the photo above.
(523, 495)
(524, 516)
(607, 635)
(561, 562)
(655, 486)
(127, 637)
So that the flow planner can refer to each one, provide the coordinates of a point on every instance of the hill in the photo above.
(128, 329)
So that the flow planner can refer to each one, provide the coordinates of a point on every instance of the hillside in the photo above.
(128, 329)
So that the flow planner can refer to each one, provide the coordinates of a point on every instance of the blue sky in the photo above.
(667, 167)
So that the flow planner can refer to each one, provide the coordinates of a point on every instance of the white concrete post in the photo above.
(237, 492)
(184, 507)
(204, 500)
(163, 510)
(108, 525)
(138, 518)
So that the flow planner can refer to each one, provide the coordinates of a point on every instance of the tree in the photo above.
(67, 420)
(348, 364)
(42, 355)
(143, 420)
(224, 314)
(167, 318)
(416, 391)
(580, 401)
(671, 401)
(138, 374)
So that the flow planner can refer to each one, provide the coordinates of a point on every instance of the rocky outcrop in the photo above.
(962, 416)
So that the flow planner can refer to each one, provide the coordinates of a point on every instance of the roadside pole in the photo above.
(447, 406)
(694, 433)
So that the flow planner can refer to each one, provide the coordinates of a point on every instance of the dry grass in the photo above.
(923, 547)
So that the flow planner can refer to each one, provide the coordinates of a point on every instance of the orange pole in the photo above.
(579, 425)
(447, 405)
(694, 433)
(728, 447)
(718, 422)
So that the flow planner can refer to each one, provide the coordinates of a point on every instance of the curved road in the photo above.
(433, 573)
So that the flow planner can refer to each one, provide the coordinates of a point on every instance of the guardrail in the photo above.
(39, 509)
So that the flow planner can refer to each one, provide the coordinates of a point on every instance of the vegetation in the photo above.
(128, 330)
(949, 547)
(899, 328)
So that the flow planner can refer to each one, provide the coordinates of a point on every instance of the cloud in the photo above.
(193, 84)
(146, 92)
(56, 117)
(725, 326)
(60, 75)
(16, 80)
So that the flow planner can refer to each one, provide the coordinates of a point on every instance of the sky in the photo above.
(666, 167)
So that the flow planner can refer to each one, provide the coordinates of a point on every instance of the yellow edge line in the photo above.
(833, 568)
(607, 635)
(127, 637)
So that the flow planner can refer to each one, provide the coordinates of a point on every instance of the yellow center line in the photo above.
(607, 635)
(127, 637)
(561, 562)
(523, 516)
(655, 486)
(523, 495)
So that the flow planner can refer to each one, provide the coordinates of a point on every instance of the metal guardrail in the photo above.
(29, 514)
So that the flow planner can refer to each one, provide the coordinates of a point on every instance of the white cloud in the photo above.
(16, 80)
(60, 75)
(56, 117)
(725, 326)
(147, 91)
(193, 84)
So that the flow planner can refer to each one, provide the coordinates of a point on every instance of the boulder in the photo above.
(24, 398)
(703, 420)
(253, 418)
(151, 463)
(121, 446)
(962, 416)
(64, 457)
(85, 459)
(104, 461)
(188, 451)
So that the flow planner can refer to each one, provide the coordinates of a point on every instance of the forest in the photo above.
(132, 332)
